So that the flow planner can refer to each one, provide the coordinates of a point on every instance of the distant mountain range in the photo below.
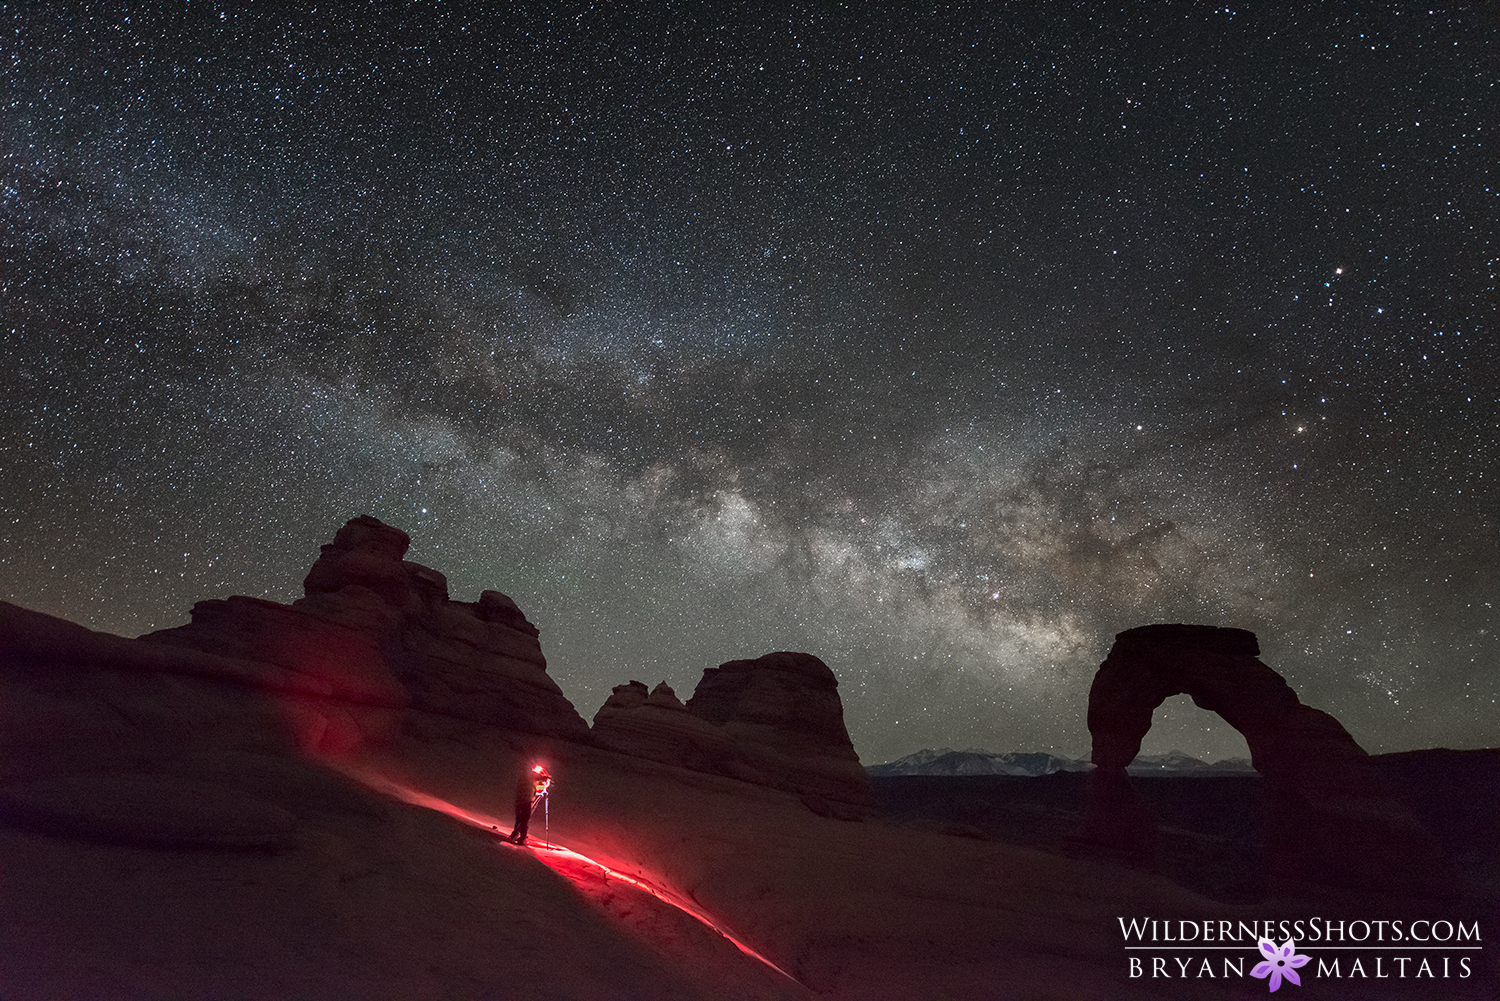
(946, 761)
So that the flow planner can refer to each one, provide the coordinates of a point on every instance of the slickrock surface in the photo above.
(163, 835)
(209, 812)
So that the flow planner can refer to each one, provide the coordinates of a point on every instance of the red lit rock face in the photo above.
(164, 833)
(379, 631)
(775, 721)
(1330, 817)
(162, 836)
(170, 825)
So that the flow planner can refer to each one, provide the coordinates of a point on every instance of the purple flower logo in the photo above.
(1281, 961)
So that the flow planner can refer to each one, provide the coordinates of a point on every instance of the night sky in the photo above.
(941, 344)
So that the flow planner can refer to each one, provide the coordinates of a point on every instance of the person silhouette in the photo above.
(531, 789)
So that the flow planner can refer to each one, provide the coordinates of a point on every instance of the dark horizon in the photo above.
(942, 345)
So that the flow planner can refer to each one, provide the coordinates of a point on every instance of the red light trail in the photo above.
(550, 854)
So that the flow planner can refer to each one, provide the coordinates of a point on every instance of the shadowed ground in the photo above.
(206, 813)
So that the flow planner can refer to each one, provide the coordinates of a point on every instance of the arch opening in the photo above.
(1329, 816)
(1179, 724)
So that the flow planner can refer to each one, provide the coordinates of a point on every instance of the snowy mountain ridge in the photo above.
(974, 761)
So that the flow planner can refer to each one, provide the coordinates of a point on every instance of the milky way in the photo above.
(940, 345)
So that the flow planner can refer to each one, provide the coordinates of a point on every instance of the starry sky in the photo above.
(941, 343)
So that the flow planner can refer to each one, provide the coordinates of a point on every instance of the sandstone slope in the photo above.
(217, 811)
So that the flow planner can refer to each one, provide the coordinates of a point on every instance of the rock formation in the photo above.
(776, 720)
(1330, 817)
(376, 652)
(376, 632)
(216, 811)
(375, 655)
(171, 825)
(658, 726)
(164, 836)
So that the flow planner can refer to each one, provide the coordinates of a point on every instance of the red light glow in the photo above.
(552, 855)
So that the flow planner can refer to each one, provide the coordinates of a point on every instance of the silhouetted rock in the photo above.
(775, 721)
(378, 631)
(659, 727)
(163, 836)
(171, 826)
(210, 810)
(1331, 818)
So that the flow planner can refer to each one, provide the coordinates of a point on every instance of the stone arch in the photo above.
(1330, 817)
